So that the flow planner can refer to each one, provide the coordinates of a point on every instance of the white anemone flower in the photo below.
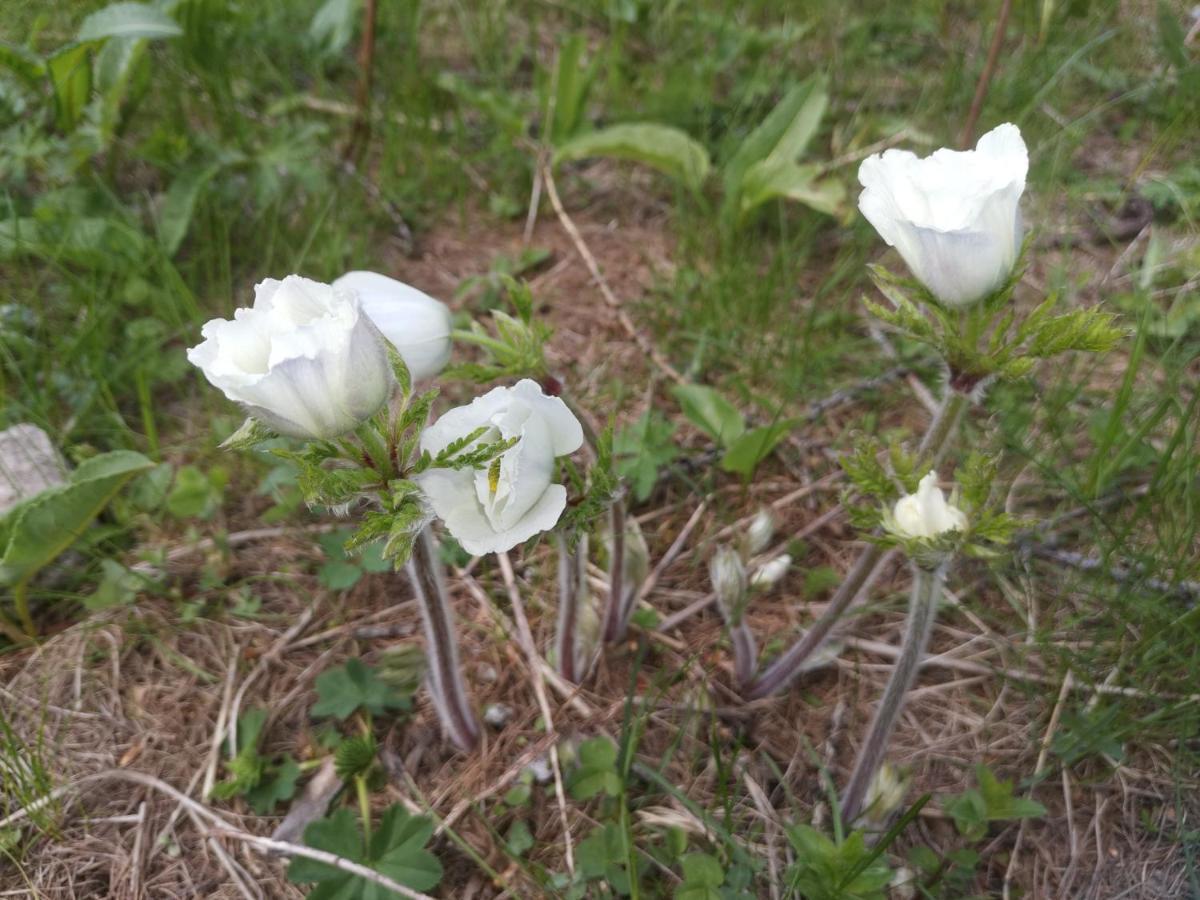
(926, 513)
(953, 216)
(417, 325)
(304, 360)
(493, 509)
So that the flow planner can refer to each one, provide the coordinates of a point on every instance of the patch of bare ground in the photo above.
(135, 691)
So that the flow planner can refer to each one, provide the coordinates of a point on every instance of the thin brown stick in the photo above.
(985, 77)
(539, 690)
(214, 750)
(672, 553)
(362, 96)
(643, 342)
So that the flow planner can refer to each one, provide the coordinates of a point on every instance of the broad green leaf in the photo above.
(660, 146)
(398, 844)
(709, 411)
(118, 586)
(572, 84)
(787, 128)
(70, 72)
(755, 445)
(128, 20)
(800, 130)
(338, 834)
(42, 527)
(180, 203)
(116, 64)
(278, 786)
(23, 62)
(774, 178)
(702, 875)
(519, 839)
(196, 494)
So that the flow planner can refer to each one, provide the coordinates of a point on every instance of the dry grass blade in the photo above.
(539, 689)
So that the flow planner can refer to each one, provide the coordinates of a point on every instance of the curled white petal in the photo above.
(417, 325)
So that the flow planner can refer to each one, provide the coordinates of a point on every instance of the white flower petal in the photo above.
(542, 516)
(462, 420)
(417, 325)
(525, 470)
(565, 431)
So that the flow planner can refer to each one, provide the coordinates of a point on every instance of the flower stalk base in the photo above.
(572, 575)
(926, 592)
(445, 675)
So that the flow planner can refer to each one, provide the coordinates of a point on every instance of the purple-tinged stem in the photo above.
(745, 653)
(922, 612)
(441, 644)
(572, 570)
(780, 673)
(615, 619)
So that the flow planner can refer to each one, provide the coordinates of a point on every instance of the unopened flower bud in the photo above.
(758, 534)
(771, 572)
(886, 792)
(926, 514)
(729, 583)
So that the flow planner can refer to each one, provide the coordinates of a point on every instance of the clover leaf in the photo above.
(597, 772)
(344, 689)
(396, 850)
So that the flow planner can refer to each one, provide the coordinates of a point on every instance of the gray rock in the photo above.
(29, 463)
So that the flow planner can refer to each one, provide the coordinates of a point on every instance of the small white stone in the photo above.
(497, 715)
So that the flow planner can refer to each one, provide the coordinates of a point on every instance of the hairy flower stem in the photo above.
(615, 619)
(572, 572)
(445, 678)
(922, 611)
(939, 435)
(745, 654)
(866, 569)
